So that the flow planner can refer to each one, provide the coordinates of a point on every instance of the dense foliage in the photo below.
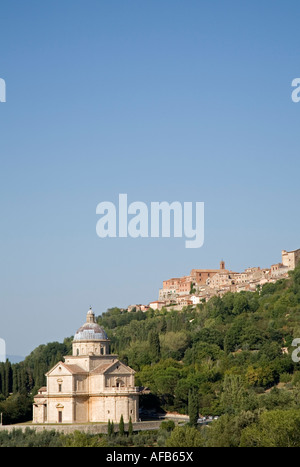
(20, 381)
(232, 353)
(51, 438)
(270, 428)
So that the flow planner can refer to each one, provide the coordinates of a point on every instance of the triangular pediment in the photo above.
(60, 369)
(118, 368)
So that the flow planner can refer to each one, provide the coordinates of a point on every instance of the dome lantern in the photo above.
(90, 317)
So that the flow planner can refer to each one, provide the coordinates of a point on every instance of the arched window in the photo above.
(120, 383)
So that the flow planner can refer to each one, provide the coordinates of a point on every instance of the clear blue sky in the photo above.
(163, 100)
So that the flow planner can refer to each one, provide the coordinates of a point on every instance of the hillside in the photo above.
(232, 355)
(242, 340)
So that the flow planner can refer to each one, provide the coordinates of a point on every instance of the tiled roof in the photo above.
(74, 368)
(102, 368)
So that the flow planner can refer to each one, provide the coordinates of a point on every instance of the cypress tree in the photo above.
(121, 426)
(109, 428)
(112, 428)
(15, 386)
(193, 408)
(154, 344)
(1, 378)
(163, 328)
(130, 427)
(8, 378)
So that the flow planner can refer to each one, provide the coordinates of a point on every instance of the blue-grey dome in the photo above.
(90, 330)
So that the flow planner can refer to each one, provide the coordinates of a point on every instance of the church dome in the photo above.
(90, 330)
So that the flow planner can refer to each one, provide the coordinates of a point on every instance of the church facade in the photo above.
(91, 385)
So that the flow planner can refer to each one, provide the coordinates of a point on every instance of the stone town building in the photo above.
(200, 276)
(175, 286)
(181, 286)
(290, 259)
(91, 385)
(202, 284)
(157, 305)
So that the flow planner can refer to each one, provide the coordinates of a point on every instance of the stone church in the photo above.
(91, 385)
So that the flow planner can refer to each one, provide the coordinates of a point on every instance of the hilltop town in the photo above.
(202, 284)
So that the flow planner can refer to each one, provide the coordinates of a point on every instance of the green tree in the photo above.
(234, 393)
(167, 425)
(16, 408)
(240, 304)
(8, 378)
(130, 427)
(226, 431)
(79, 439)
(193, 408)
(275, 428)
(154, 345)
(112, 429)
(174, 344)
(121, 426)
(185, 437)
(109, 431)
